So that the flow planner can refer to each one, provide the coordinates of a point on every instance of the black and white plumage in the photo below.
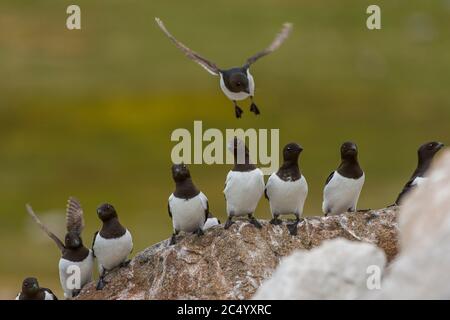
(425, 155)
(287, 188)
(188, 206)
(236, 83)
(343, 186)
(32, 291)
(74, 254)
(244, 185)
(112, 244)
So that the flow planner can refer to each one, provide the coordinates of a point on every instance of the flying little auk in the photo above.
(32, 291)
(287, 188)
(343, 186)
(244, 185)
(188, 207)
(112, 244)
(236, 83)
(75, 256)
(425, 154)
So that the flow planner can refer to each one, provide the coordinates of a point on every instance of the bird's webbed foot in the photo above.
(237, 110)
(292, 227)
(229, 223)
(275, 221)
(254, 108)
(254, 222)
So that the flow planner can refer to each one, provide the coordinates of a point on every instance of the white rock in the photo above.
(335, 270)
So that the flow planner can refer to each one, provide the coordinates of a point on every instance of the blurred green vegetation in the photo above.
(89, 113)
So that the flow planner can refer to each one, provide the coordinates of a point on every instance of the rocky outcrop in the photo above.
(338, 269)
(422, 270)
(232, 264)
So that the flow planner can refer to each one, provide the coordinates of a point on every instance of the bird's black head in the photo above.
(30, 286)
(236, 80)
(180, 172)
(106, 212)
(428, 150)
(72, 240)
(349, 150)
(291, 152)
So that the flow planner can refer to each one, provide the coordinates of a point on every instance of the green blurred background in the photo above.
(89, 113)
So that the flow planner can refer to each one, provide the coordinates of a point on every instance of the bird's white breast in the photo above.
(243, 191)
(286, 197)
(112, 252)
(48, 296)
(188, 215)
(237, 96)
(66, 273)
(341, 194)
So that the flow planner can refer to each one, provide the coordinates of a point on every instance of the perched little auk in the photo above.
(244, 185)
(343, 186)
(211, 222)
(32, 291)
(287, 188)
(112, 244)
(188, 207)
(74, 254)
(425, 154)
(236, 83)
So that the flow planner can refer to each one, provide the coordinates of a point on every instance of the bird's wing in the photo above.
(407, 188)
(168, 206)
(205, 204)
(207, 65)
(74, 216)
(276, 43)
(329, 178)
(58, 242)
(268, 185)
(93, 242)
(168, 210)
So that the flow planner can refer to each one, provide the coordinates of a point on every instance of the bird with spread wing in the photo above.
(75, 257)
(236, 83)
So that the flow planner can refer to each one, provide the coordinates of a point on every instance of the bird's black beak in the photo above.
(440, 145)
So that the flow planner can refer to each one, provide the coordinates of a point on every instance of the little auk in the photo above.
(343, 186)
(244, 185)
(236, 83)
(188, 207)
(287, 188)
(32, 291)
(75, 256)
(425, 154)
(112, 244)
